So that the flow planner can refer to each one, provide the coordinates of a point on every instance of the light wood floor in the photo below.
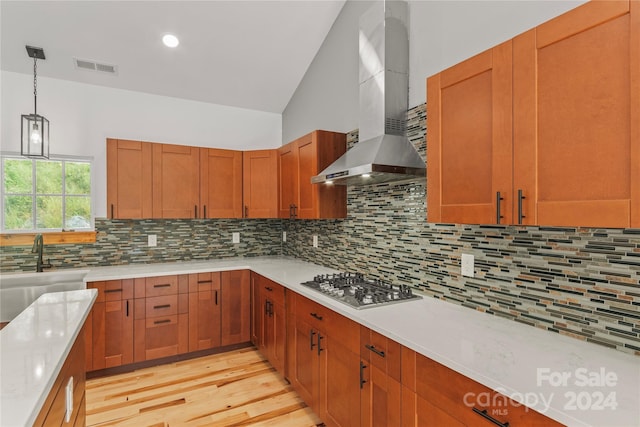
(238, 388)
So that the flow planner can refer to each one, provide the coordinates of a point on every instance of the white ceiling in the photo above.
(248, 54)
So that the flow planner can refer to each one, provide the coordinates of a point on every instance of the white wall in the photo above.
(82, 116)
(442, 33)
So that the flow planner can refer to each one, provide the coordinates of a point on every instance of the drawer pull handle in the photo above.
(375, 350)
(158, 322)
(108, 291)
(483, 413)
(204, 281)
(268, 288)
(165, 285)
(156, 307)
(362, 380)
(316, 315)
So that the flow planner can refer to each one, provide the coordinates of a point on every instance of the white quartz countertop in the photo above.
(33, 348)
(572, 381)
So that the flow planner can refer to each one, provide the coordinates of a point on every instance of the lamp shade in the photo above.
(35, 136)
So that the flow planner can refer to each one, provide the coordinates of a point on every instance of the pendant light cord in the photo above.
(35, 86)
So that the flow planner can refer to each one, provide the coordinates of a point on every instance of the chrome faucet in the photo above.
(38, 247)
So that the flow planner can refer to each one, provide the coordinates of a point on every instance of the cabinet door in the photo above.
(469, 140)
(339, 382)
(128, 179)
(305, 367)
(112, 324)
(176, 181)
(260, 184)
(380, 398)
(220, 183)
(236, 306)
(316, 151)
(577, 117)
(277, 336)
(204, 313)
(287, 179)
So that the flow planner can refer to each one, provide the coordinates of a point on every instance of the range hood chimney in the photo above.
(384, 153)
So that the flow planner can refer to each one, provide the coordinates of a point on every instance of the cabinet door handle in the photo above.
(320, 337)
(205, 211)
(295, 211)
(159, 322)
(195, 211)
(316, 315)
(216, 297)
(158, 307)
(109, 291)
(483, 413)
(246, 211)
(127, 308)
(270, 309)
(498, 214)
(521, 197)
(111, 210)
(164, 285)
(311, 344)
(375, 350)
(291, 211)
(362, 380)
(266, 308)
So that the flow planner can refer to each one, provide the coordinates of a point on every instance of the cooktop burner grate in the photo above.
(359, 292)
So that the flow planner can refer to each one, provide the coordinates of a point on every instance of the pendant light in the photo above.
(35, 128)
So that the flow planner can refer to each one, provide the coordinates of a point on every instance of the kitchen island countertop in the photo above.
(33, 349)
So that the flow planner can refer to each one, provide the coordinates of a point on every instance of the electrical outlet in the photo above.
(284, 236)
(467, 265)
(236, 237)
(152, 240)
(315, 241)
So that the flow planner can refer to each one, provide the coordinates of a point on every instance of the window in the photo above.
(46, 195)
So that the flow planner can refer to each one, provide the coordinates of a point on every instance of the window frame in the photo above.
(54, 157)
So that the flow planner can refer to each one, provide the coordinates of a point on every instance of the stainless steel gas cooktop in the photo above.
(359, 292)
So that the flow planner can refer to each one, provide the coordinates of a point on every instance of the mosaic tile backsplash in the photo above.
(581, 282)
(125, 242)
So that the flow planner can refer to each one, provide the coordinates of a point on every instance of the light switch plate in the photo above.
(284, 236)
(315, 241)
(236, 237)
(152, 240)
(468, 265)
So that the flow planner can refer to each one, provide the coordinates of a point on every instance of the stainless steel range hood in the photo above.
(384, 153)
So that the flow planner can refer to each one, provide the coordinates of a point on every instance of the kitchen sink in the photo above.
(18, 291)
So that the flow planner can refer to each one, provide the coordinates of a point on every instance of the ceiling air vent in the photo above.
(86, 64)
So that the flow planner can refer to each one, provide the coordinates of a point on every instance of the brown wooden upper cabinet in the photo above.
(128, 179)
(298, 161)
(260, 183)
(220, 183)
(543, 129)
(176, 181)
(151, 180)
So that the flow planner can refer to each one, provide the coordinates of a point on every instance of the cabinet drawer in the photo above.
(463, 398)
(311, 312)
(273, 291)
(161, 306)
(380, 351)
(112, 290)
(159, 286)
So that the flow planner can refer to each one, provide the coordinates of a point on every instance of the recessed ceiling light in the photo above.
(170, 40)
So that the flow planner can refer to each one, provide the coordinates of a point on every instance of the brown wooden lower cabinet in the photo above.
(236, 307)
(204, 311)
(326, 364)
(269, 320)
(53, 412)
(111, 329)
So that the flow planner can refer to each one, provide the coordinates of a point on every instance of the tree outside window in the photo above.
(46, 194)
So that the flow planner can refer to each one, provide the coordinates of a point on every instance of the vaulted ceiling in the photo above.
(247, 54)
